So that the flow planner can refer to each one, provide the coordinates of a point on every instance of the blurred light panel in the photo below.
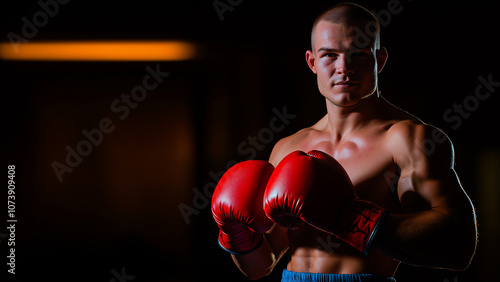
(99, 51)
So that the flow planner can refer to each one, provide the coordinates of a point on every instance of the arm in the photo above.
(437, 227)
(262, 261)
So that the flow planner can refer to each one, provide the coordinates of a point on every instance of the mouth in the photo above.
(346, 84)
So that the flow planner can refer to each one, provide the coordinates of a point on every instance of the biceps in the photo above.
(442, 193)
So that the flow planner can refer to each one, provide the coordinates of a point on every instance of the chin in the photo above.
(345, 99)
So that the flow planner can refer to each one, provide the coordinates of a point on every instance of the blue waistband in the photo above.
(290, 276)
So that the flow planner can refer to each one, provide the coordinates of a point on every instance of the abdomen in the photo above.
(314, 251)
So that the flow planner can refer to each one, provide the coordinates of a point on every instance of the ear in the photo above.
(381, 58)
(311, 60)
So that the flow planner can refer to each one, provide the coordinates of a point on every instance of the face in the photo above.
(346, 67)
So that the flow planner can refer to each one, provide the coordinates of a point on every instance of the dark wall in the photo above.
(117, 211)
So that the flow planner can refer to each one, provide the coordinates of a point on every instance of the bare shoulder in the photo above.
(412, 141)
(407, 134)
(303, 139)
(289, 144)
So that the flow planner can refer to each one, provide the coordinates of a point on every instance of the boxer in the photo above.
(360, 179)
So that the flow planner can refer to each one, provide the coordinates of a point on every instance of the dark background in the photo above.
(119, 209)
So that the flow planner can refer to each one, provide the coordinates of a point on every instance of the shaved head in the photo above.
(352, 15)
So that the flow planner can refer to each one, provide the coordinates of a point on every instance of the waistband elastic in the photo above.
(290, 276)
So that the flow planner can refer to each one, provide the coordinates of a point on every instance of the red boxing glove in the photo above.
(237, 206)
(314, 188)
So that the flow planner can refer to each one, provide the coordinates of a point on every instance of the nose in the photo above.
(343, 65)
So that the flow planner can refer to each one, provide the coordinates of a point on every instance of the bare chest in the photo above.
(368, 164)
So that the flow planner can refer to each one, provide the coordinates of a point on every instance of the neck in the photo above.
(343, 120)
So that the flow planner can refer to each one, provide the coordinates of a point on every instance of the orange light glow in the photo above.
(99, 51)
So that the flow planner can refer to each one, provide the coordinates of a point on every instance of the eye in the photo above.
(330, 55)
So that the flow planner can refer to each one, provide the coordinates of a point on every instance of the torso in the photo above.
(371, 168)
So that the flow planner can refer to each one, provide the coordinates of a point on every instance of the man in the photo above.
(369, 187)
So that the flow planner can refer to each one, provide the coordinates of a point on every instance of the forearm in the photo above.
(262, 261)
(258, 263)
(428, 238)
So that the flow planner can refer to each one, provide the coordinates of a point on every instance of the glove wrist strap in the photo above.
(241, 252)
(359, 224)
